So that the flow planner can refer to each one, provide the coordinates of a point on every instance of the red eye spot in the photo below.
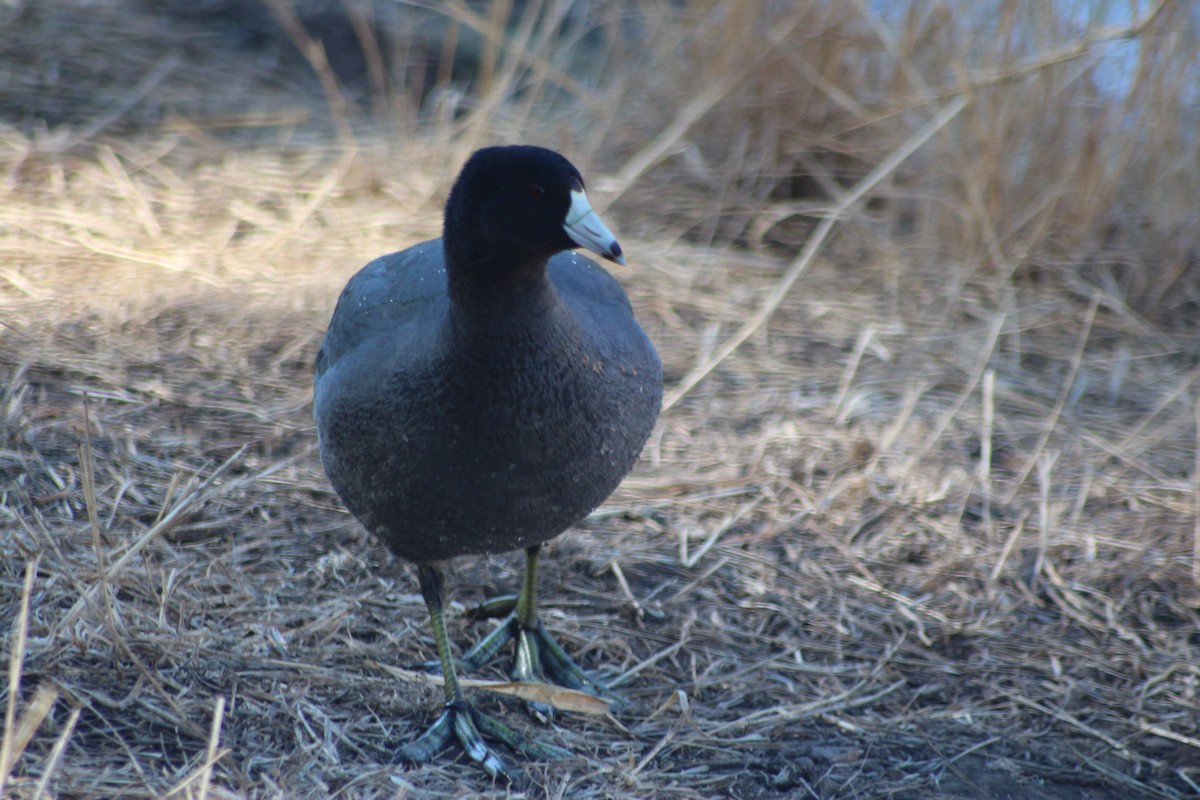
(537, 191)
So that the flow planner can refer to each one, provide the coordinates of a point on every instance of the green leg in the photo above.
(460, 719)
(527, 665)
(538, 656)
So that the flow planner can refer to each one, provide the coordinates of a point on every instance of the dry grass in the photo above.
(928, 530)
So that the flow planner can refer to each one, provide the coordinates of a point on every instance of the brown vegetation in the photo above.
(919, 519)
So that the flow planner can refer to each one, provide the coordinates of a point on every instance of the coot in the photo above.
(481, 393)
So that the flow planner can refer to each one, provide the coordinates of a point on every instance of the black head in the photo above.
(514, 207)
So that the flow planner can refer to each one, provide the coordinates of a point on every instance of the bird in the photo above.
(481, 393)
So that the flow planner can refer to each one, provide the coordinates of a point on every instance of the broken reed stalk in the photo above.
(812, 246)
(10, 747)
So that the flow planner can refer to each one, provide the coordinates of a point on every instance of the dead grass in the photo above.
(927, 530)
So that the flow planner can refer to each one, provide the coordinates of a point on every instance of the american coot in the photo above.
(483, 392)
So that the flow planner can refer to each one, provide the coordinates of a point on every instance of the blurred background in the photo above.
(920, 515)
(737, 122)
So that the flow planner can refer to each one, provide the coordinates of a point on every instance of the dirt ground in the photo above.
(917, 537)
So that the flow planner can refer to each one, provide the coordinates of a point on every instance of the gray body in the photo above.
(449, 433)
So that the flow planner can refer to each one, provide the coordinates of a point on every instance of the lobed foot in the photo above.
(539, 658)
(469, 725)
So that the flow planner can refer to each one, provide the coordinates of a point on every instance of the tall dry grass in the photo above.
(1077, 138)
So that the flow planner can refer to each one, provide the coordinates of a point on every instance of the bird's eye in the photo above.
(537, 191)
